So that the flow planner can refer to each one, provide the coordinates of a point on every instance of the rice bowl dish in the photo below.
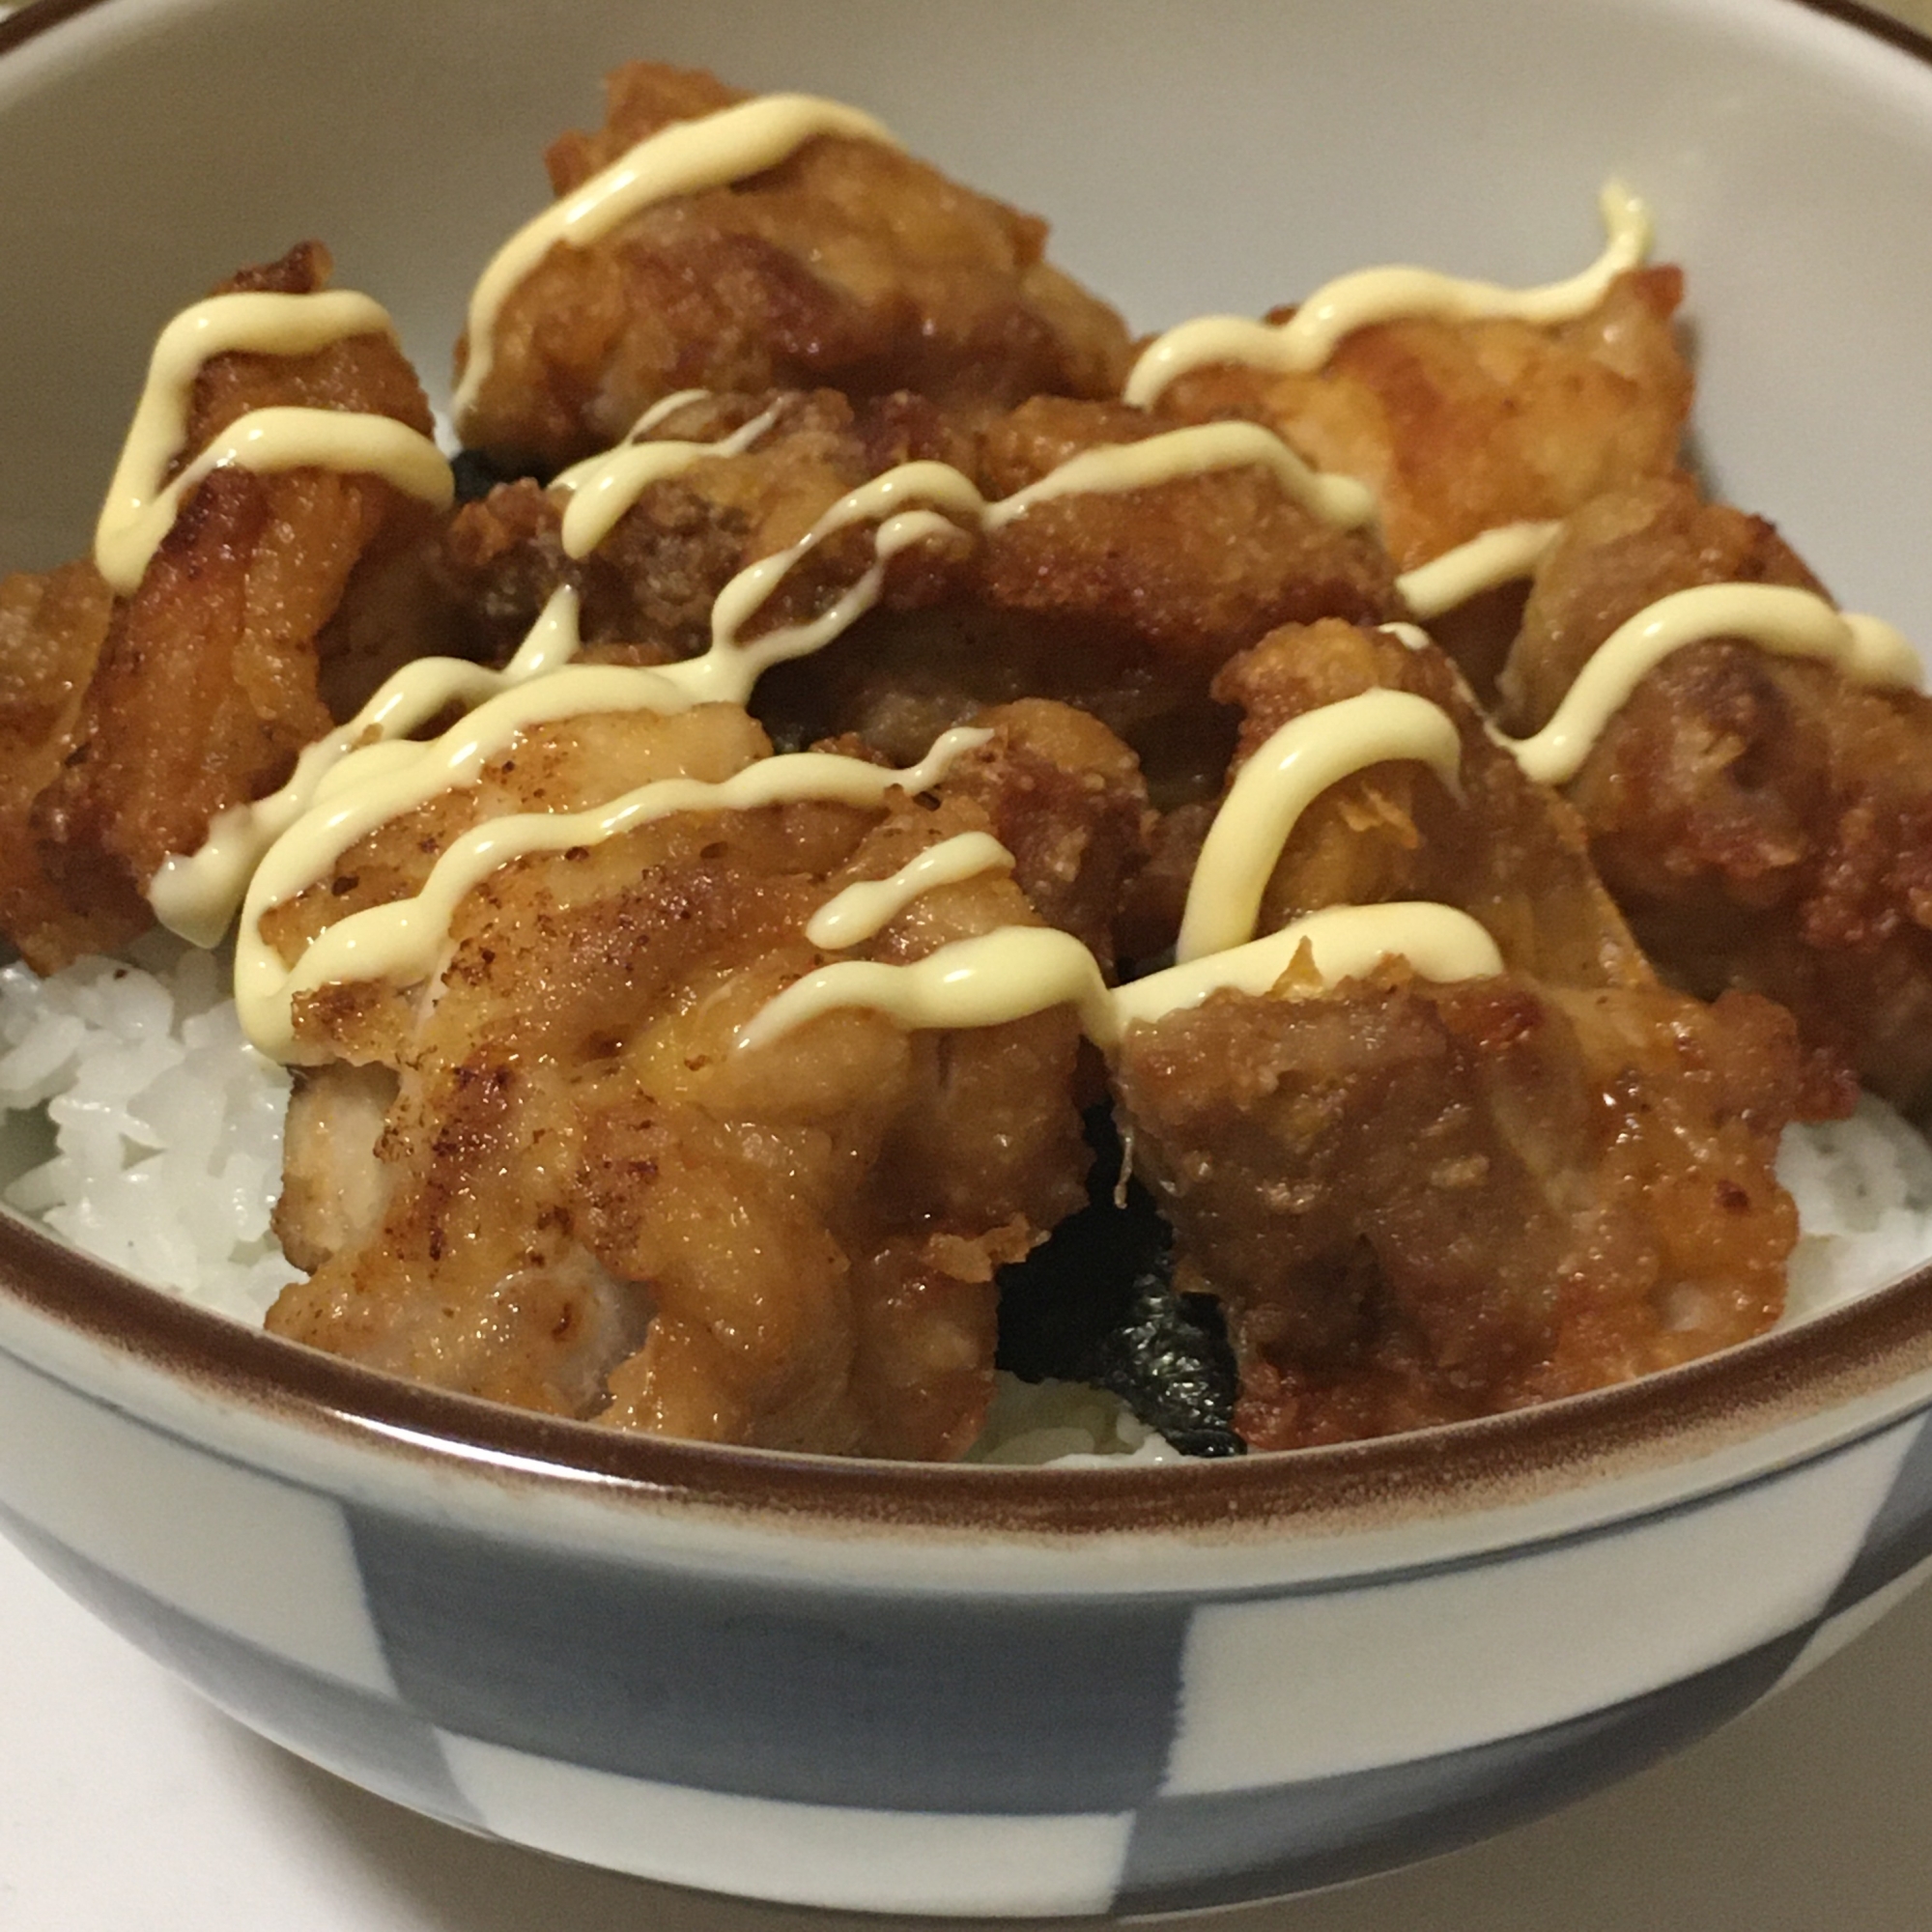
(1587, 1300)
(713, 587)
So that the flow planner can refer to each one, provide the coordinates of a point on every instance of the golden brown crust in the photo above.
(51, 631)
(596, 1205)
(1459, 427)
(850, 266)
(645, 593)
(1508, 851)
(1765, 823)
(212, 676)
(1421, 1203)
(1122, 602)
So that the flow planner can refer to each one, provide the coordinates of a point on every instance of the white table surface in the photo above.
(128, 1803)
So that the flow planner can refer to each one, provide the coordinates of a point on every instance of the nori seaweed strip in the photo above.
(477, 475)
(1095, 1303)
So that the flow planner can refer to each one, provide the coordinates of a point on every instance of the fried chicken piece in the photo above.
(336, 1187)
(51, 630)
(1508, 851)
(1066, 798)
(571, 764)
(645, 593)
(849, 266)
(1421, 1203)
(1765, 823)
(1124, 603)
(1462, 426)
(597, 1206)
(270, 593)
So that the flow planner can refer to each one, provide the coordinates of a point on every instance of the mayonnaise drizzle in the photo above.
(682, 159)
(288, 839)
(914, 501)
(1340, 500)
(266, 441)
(1775, 618)
(1309, 337)
(602, 488)
(1486, 562)
(196, 896)
(862, 910)
(399, 942)
(1005, 976)
(1277, 785)
(139, 511)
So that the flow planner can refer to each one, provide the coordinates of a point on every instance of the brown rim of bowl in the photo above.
(1793, 1376)
(1856, 1350)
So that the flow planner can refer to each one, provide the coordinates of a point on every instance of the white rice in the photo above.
(137, 1123)
(148, 1130)
(1863, 1189)
(1066, 1424)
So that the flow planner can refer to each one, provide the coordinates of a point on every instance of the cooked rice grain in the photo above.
(153, 1132)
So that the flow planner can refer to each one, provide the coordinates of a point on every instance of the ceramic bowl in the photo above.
(922, 1690)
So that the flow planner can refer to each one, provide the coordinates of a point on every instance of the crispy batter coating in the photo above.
(849, 266)
(1066, 798)
(548, 1173)
(1764, 822)
(1508, 851)
(590, 1203)
(269, 595)
(1421, 1203)
(645, 593)
(1461, 426)
(51, 631)
(1123, 603)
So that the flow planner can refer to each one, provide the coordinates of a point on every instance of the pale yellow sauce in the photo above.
(1486, 562)
(139, 510)
(1309, 337)
(400, 942)
(1411, 636)
(682, 159)
(1278, 784)
(1005, 976)
(602, 488)
(368, 772)
(1791, 622)
(1338, 500)
(915, 502)
(865, 909)
(197, 895)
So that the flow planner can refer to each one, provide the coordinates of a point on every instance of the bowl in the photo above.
(955, 1689)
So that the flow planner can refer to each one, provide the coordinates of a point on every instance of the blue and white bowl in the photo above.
(922, 1690)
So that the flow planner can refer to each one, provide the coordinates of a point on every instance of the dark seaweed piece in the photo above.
(477, 475)
(1095, 1303)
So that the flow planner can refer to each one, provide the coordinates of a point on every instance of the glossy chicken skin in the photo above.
(1462, 426)
(646, 591)
(586, 1199)
(849, 266)
(1423, 1202)
(1765, 823)
(1123, 602)
(1420, 1203)
(272, 608)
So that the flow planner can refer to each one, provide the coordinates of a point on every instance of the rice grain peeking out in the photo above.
(1863, 1189)
(160, 1127)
